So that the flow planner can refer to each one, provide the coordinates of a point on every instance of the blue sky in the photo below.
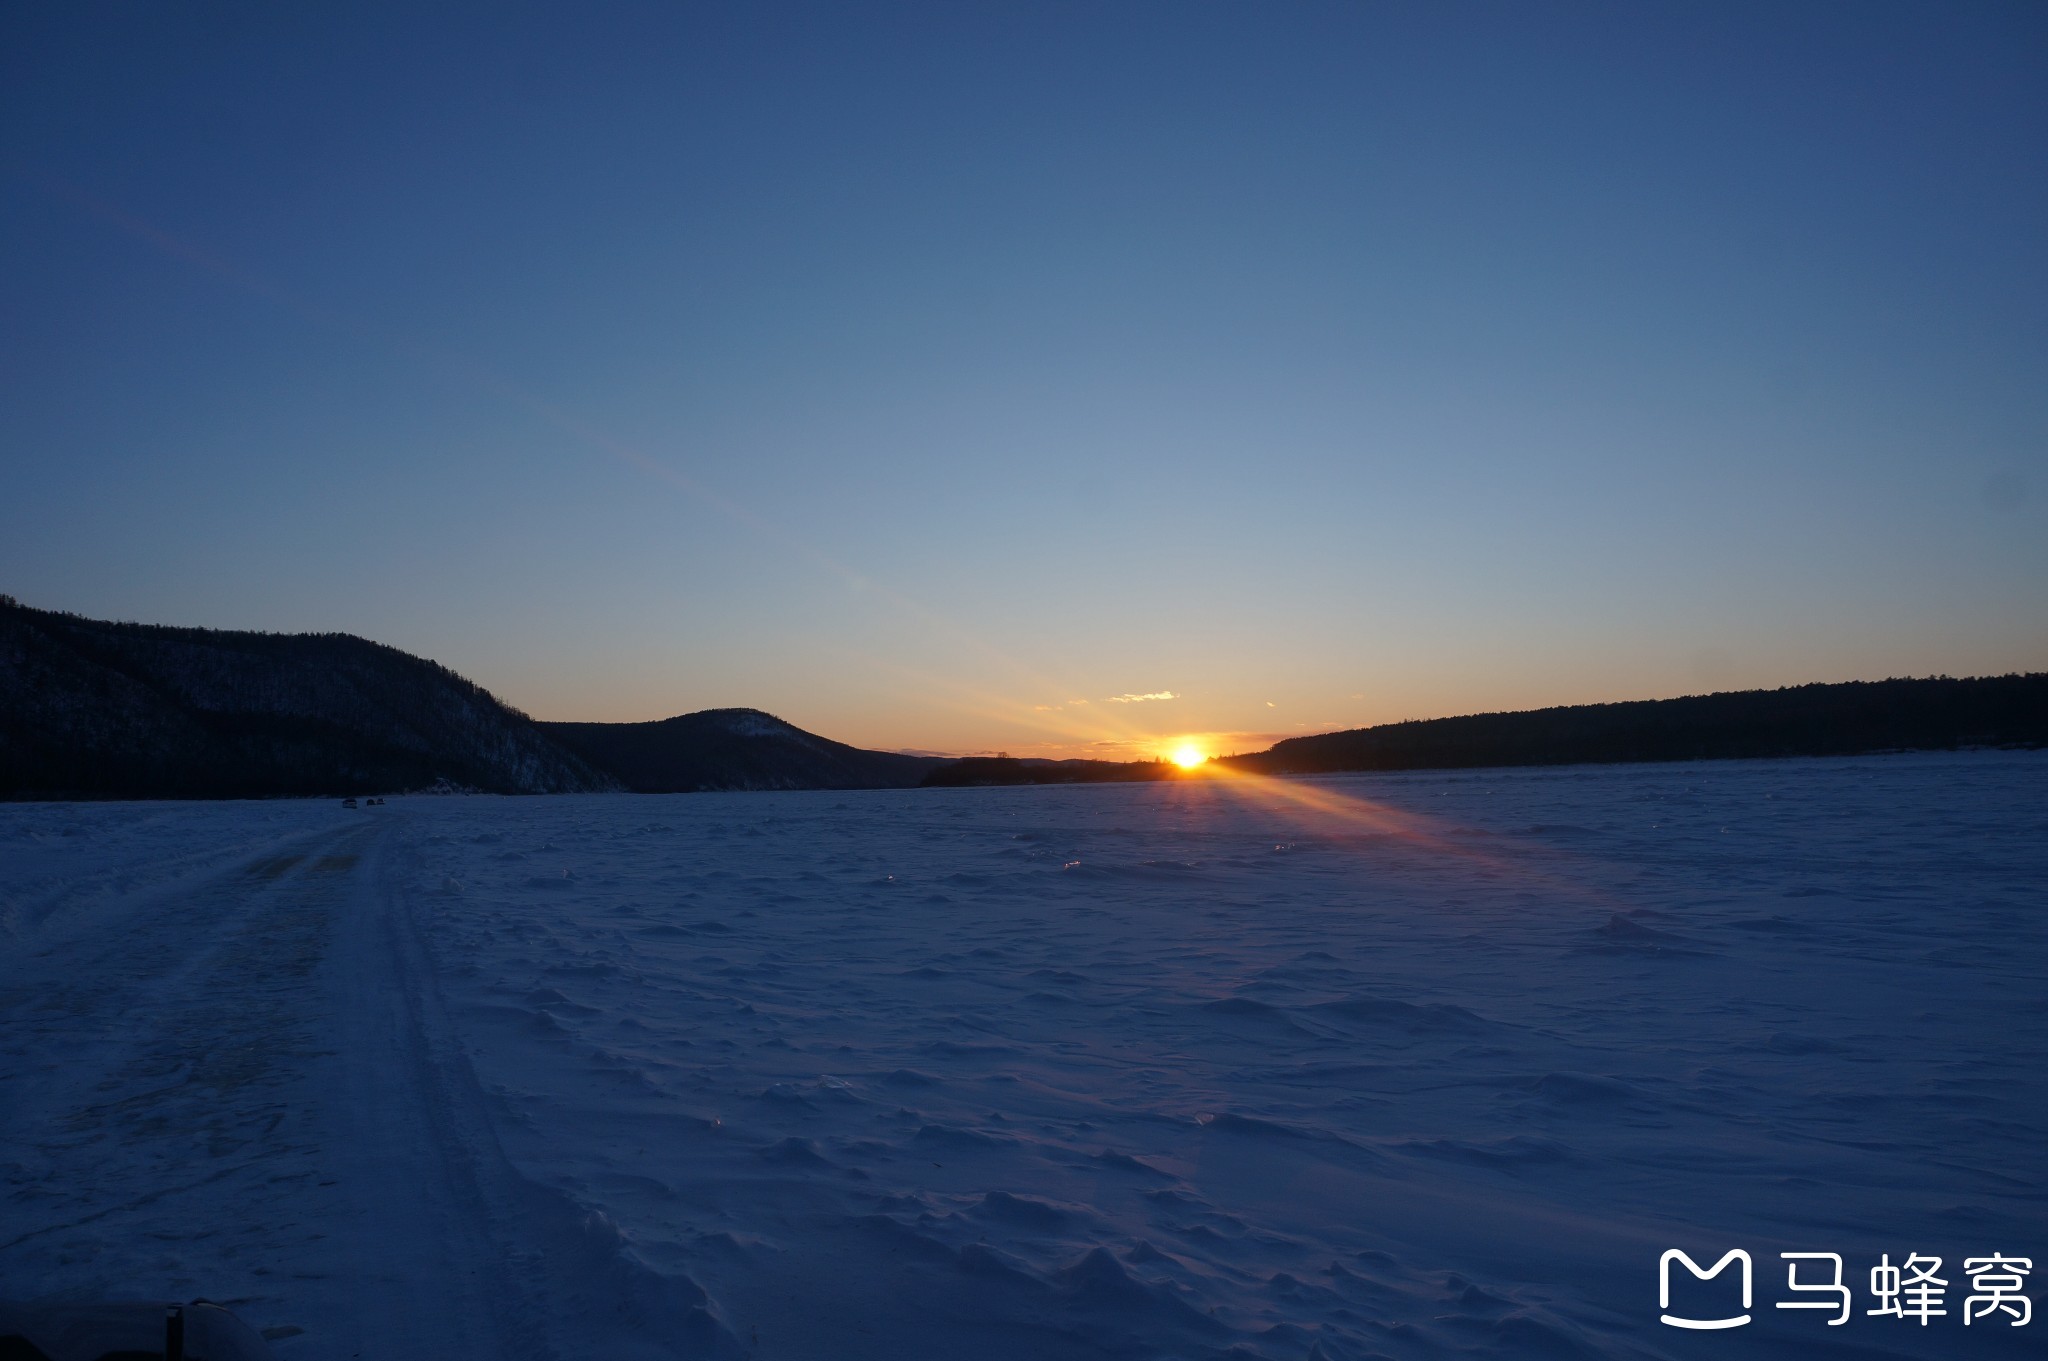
(917, 371)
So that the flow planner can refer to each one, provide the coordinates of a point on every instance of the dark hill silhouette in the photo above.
(733, 749)
(1806, 720)
(90, 709)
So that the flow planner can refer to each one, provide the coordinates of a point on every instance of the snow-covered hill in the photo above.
(733, 749)
(97, 709)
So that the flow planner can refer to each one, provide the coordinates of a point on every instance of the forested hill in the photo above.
(734, 749)
(90, 709)
(1805, 720)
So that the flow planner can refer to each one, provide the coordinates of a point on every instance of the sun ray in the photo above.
(1320, 807)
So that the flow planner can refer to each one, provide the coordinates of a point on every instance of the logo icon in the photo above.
(1664, 1288)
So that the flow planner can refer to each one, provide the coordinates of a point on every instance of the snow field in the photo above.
(1418, 1065)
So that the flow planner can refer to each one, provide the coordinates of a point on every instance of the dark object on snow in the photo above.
(349, 803)
(143, 1330)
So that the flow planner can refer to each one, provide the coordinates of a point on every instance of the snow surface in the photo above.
(1421, 1065)
(748, 723)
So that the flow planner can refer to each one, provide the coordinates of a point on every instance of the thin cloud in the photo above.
(1140, 699)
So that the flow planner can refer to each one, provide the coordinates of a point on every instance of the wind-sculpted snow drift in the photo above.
(1407, 1066)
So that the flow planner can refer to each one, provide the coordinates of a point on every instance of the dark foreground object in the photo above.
(142, 1330)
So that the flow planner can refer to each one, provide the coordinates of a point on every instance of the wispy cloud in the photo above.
(1140, 699)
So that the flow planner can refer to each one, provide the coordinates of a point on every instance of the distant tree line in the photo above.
(1002, 770)
(1854, 717)
(92, 709)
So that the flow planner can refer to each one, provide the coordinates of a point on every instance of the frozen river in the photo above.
(1417, 1065)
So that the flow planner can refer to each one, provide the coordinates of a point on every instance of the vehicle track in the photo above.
(431, 1278)
(226, 1090)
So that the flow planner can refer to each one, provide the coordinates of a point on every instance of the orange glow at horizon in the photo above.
(1187, 756)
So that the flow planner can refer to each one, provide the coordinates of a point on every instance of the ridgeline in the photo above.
(733, 749)
(1844, 719)
(97, 710)
(91, 709)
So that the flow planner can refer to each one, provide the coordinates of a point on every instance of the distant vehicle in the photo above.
(348, 803)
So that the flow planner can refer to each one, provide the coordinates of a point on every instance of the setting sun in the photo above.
(1188, 757)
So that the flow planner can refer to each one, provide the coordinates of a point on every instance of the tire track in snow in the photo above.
(243, 1085)
(476, 1259)
(152, 1125)
(224, 1097)
(431, 1279)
